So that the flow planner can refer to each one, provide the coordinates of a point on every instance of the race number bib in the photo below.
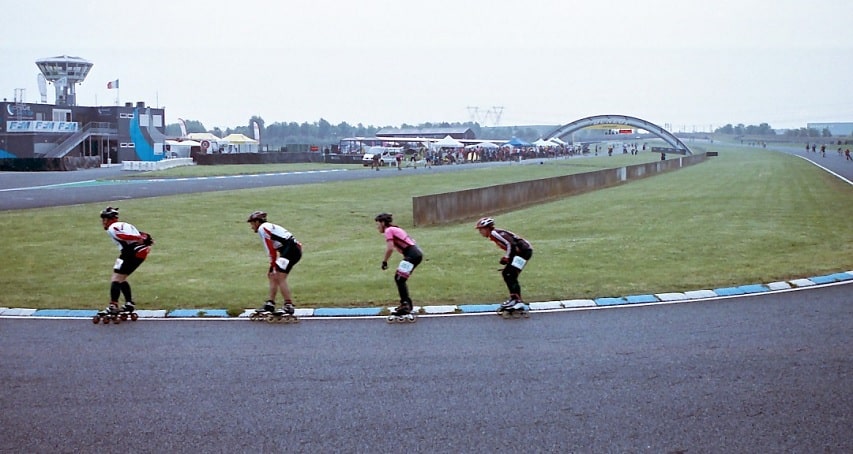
(118, 264)
(518, 262)
(282, 262)
(405, 268)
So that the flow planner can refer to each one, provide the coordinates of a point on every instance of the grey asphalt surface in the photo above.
(767, 373)
(21, 190)
(770, 373)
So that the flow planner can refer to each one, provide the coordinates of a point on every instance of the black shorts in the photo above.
(293, 254)
(127, 264)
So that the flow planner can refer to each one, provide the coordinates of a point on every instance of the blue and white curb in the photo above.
(462, 309)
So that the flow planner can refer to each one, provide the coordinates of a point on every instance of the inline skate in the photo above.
(403, 313)
(514, 308)
(115, 314)
(270, 314)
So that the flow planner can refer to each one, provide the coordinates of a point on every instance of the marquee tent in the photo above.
(447, 142)
(203, 136)
(516, 142)
(238, 138)
(238, 143)
(488, 145)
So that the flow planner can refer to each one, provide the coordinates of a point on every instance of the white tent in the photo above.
(487, 145)
(557, 140)
(180, 149)
(447, 142)
(202, 136)
(543, 143)
(238, 143)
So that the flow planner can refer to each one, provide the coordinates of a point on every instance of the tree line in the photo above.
(764, 129)
(323, 133)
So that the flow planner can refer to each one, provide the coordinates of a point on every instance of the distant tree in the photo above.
(324, 129)
(727, 129)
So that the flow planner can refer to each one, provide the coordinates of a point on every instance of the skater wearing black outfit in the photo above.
(517, 251)
(397, 239)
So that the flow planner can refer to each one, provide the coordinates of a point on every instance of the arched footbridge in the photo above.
(603, 120)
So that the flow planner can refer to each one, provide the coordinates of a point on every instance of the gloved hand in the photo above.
(504, 260)
(148, 241)
(384, 265)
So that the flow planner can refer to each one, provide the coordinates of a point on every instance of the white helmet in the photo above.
(485, 222)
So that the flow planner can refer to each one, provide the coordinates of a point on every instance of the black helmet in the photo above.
(109, 213)
(384, 218)
(257, 216)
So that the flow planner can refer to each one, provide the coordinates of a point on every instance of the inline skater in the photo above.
(134, 246)
(517, 251)
(284, 253)
(397, 239)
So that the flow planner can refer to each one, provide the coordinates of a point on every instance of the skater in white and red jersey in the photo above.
(134, 246)
(284, 253)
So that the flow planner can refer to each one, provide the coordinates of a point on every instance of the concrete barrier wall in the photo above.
(258, 158)
(156, 165)
(49, 164)
(460, 205)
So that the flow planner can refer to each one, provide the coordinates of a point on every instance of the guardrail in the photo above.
(156, 165)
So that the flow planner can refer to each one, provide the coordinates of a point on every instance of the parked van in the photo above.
(387, 155)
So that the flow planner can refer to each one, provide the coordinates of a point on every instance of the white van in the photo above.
(387, 155)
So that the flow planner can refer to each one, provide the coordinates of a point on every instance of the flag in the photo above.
(112, 84)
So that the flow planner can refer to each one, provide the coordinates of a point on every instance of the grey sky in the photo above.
(690, 64)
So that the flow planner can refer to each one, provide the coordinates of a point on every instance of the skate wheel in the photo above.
(134, 316)
(411, 319)
(505, 314)
(123, 317)
(116, 319)
(96, 319)
(106, 320)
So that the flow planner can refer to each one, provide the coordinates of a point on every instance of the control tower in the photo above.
(64, 73)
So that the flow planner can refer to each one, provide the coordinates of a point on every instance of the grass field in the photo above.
(747, 216)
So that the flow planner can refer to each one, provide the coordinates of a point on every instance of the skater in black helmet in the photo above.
(397, 239)
(284, 253)
(134, 246)
(517, 251)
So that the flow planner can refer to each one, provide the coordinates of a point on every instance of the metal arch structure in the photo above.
(638, 123)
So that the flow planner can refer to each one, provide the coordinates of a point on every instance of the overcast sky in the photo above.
(689, 64)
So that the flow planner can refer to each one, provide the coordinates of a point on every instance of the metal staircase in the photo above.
(99, 129)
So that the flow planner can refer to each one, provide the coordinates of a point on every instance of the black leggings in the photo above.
(510, 273)
(414, 256)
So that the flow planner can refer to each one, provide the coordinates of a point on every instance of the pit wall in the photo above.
(461, 205)
(49, 164)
